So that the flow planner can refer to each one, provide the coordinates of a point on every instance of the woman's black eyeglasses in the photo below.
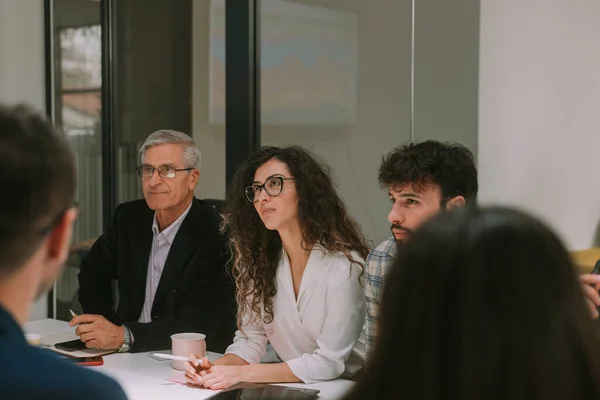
(272, 186)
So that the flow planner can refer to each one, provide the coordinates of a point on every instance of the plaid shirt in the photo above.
(379, 262)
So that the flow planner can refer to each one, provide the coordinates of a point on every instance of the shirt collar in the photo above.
(171, 230)
(392, 247)
(312, 272)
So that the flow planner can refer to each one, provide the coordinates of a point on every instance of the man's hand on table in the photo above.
(97, 332)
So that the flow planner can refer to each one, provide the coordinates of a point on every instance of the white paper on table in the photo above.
(142, 387)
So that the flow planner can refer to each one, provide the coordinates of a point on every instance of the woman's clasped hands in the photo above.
(199, 371)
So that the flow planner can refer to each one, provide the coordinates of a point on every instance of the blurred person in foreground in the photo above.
(37, 176)
(483, 304)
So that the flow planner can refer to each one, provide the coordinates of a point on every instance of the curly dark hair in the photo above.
(451, 166)
(323, 220)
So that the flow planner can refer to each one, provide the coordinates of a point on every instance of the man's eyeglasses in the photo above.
(164, 171)
(272, 186)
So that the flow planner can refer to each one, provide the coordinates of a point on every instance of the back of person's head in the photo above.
(451, 166)
(37, 176)
(483, 304)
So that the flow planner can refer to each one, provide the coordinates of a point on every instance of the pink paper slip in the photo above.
(178, 377)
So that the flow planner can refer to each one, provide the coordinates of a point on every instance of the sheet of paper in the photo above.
(178, 377)
(140, 386)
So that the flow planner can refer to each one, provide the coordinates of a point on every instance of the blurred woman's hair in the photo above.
(483, 304)
(323, 218)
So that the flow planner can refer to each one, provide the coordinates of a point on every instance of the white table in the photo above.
(144, 378)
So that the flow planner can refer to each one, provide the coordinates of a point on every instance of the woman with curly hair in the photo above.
(298, 259)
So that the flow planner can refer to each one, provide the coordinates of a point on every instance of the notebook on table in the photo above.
(52, 340)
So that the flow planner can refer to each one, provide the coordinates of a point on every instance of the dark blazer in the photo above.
(195, 292)
(33, 373)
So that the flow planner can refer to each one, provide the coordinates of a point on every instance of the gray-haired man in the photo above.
(168, 256)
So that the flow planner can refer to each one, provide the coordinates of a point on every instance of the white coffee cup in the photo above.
(33, 339)
(182, 344)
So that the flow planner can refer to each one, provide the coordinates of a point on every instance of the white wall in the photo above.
(22, 66)
(446, 71)
(539, 124)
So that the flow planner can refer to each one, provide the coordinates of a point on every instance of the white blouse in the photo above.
(318, 334)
